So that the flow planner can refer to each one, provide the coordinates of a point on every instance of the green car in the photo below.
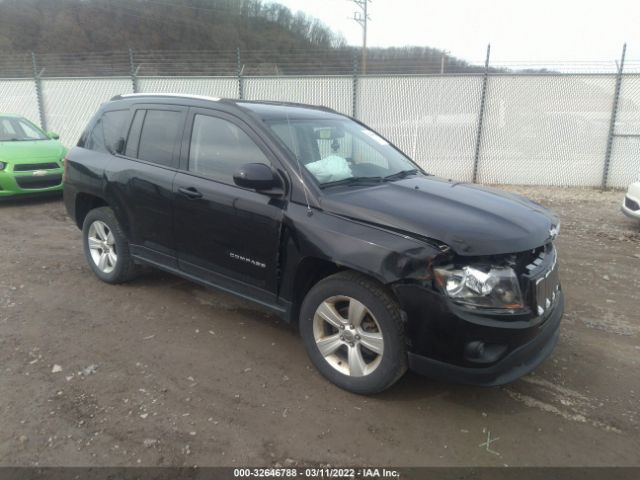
(31, 161)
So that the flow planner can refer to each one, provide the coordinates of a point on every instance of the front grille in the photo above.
(39, 182)
(27, 167)
(547, 289)
(537, 262)
(631, 204)
(543, 280)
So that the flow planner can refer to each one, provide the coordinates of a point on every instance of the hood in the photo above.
(471, 219)
(27, 151)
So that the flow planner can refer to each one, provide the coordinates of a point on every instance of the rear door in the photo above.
(225, 234)
(143, 179)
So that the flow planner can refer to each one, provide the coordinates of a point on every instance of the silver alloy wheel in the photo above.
(102, 245)
(348, 336)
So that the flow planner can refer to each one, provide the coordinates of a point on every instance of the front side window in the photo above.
(19, 130)
(107, 135)
(219, 148)
(335, 150)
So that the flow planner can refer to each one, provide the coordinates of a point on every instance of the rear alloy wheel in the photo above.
(102, 245)
(106, 247)
(354, 333)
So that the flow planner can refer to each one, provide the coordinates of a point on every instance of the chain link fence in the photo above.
(625, 137)
(486, 124)
(549, 130)
(432, 119)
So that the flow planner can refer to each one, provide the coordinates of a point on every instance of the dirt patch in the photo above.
(163, 372)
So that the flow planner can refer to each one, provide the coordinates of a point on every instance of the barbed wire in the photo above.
(231, 62)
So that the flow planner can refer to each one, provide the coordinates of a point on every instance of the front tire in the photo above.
(106, 248)
(353, 332)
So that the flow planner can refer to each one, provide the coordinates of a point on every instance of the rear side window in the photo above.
(159, 135)
(108, 133)
(134, 134)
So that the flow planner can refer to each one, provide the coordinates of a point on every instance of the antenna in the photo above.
(362, 17)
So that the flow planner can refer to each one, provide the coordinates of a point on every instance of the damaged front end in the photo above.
(512, 283)
(486, 319)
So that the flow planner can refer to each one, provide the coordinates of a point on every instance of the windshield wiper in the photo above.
(400, 174)
(353, 181)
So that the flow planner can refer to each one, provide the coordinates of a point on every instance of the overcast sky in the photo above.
(544, 31)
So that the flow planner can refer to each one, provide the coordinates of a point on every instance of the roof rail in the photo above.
(173, 95)
(226, 100)
(286, 104)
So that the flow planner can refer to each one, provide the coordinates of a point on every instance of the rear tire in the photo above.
(353, 332)
(106, 247)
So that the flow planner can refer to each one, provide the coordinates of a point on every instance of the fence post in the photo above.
(133, 71)
(612, 122)
(37, 79)
(483, 98)
(355, 85)
(239, 71)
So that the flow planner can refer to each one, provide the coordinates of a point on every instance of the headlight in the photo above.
(488, 287)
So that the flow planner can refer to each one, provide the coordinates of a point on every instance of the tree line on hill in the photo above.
(271, 38)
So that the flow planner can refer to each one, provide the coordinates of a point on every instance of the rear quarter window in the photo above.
(107, 135)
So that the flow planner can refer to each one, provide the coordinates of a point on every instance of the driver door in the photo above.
(225, 234)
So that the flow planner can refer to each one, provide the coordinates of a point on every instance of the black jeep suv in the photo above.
(320, 219)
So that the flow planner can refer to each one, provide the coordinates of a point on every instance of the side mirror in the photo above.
(53, 136)
(257, 176)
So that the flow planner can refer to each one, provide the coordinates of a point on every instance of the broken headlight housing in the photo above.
(480, 286)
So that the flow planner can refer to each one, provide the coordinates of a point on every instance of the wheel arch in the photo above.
(312, 270)
(309, 271)
(84, 203)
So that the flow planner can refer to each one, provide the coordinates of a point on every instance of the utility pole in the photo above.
(362, 17)
(614, 117)
(442, 60)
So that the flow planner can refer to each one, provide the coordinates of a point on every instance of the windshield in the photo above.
(341, 151)
(19, 129)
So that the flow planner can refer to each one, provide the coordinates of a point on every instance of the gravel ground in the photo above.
(163, 372)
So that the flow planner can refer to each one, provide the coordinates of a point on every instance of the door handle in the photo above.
(191, 192)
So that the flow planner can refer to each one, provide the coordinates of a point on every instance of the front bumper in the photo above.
(440, 336)
(26, 183)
